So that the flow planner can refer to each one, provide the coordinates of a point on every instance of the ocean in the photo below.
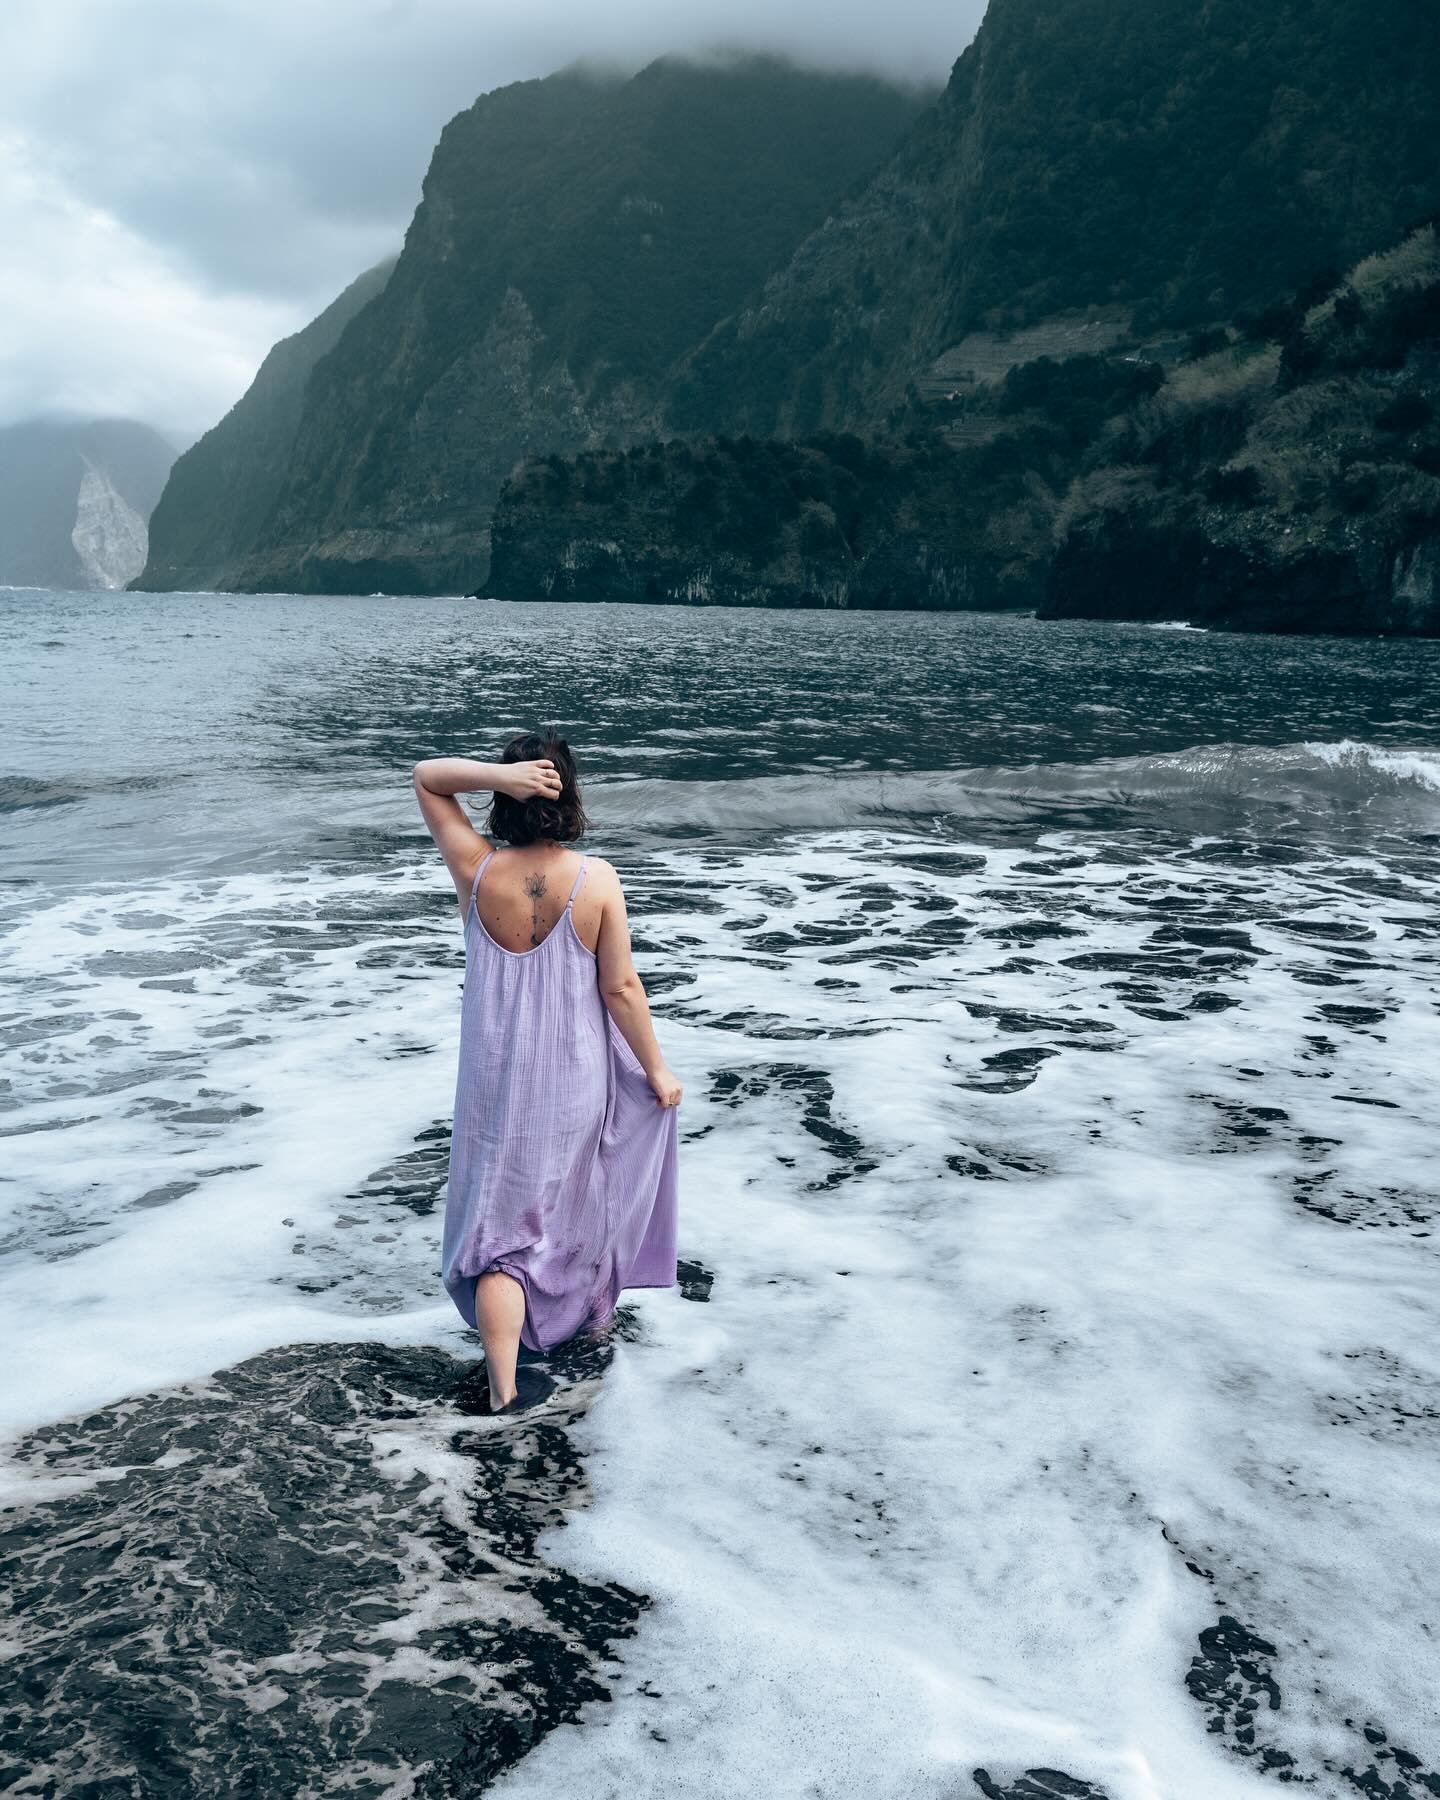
(1051, 1400)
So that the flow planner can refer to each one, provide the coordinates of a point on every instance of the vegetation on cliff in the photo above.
(1185, 162)
(1285, 474)
(1285, 484)
(830, 521)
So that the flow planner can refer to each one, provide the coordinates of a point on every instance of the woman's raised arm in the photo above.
(440, 778)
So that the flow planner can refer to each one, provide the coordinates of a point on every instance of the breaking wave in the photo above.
(1205, 783)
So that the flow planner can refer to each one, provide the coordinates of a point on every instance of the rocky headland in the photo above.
(1078, 334)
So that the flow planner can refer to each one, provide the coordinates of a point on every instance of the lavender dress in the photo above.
(562, 1162)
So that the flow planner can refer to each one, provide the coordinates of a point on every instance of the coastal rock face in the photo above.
(74, 501)
(223, 488)
(575, 238)
(1203, 572)
(1279, 488)
(1184, 162)
(1283, 475)
(827, 523)
(959, 514)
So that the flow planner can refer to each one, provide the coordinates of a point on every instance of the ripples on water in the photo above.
(1052, 1385)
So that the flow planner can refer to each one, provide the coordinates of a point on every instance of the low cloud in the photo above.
(101, 323)
(184, 183)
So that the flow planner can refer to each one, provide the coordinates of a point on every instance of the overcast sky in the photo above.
(182, 182)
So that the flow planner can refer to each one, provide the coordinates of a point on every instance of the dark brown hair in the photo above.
(530, 821)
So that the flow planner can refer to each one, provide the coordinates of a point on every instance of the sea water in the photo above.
(1051, 1400)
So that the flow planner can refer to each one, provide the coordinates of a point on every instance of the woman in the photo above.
(562, 1157)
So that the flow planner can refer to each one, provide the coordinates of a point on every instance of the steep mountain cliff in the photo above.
(223, 489)
(1282, 474)
(576, 236)
(725, 251)
(74, 500)
(1173, 161)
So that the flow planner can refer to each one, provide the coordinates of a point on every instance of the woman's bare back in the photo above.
(522, 894)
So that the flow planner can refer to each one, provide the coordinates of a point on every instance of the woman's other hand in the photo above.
(524, 780)
(667, 1088)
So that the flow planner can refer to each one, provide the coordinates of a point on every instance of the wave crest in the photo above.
(1199, 786)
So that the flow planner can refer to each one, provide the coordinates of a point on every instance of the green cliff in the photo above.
(829, 521)
(222, 490)
(1282, 474)
(1175, 161)
(575, 237)
(1277, 483)
(997, 290)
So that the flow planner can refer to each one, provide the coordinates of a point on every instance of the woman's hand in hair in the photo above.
(526, 780)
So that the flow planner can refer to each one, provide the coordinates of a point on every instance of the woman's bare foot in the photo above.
(499, 1314)
(533, 1386)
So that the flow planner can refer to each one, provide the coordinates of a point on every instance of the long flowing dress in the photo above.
(562, 1162)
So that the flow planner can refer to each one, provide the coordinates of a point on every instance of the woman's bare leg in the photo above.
(499, 1314)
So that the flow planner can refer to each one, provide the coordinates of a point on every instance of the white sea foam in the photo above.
(1419, 766)
(298, 1064)
(917, 1490)
(986, 1366)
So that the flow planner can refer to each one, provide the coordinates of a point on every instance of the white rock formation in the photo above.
(110, 537)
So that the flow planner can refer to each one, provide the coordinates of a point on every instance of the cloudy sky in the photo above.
(184, 181)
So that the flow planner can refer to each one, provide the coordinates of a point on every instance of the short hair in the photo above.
(540, 818)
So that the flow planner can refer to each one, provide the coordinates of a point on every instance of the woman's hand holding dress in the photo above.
(667, 1088)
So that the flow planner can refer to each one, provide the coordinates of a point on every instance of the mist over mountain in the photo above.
(75, 498)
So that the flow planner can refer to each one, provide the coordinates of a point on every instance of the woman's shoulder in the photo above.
(600, 871)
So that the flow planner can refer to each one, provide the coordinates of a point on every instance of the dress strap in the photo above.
(575, 889)
(475, 884)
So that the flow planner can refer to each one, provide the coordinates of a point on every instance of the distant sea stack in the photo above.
(576, 237)
(75, 501)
